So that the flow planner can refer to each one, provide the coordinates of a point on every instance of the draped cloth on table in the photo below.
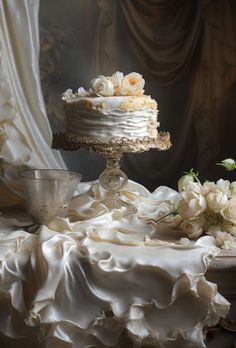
(25, 135)
(86, 283)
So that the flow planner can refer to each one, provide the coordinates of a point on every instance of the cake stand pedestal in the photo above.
(112, 179)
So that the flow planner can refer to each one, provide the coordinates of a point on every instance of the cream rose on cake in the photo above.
(67, 95)
(103, 86)
(132, 84)
(116, 79)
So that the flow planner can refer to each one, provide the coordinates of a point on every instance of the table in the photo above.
(102, 279)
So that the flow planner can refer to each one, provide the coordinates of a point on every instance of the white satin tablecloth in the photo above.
(100, 279)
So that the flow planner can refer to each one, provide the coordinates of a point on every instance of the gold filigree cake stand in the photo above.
(112, 179)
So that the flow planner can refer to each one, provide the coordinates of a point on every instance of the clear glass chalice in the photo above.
(48, 192)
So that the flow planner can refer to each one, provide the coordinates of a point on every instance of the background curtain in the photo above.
(185, 51)
(25, 134)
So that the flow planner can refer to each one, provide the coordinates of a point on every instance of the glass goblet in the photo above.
(48, 192)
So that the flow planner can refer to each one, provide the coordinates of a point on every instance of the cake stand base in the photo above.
(113, 179)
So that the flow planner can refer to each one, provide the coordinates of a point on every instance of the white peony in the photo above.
(216, 201)
(116, 79)
(103, 86)
(193, 202)
(193, 227)
(132, 84)
(229, 212)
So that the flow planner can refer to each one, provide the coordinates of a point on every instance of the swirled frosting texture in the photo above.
(89, 281)
(115, 106)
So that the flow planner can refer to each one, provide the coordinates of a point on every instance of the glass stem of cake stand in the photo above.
(113, 179)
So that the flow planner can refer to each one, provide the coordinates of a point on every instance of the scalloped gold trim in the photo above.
(109, 146)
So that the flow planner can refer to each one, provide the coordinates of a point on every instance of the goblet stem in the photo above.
(113, 179)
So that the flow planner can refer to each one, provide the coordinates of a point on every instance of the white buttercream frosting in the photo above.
(115, 106)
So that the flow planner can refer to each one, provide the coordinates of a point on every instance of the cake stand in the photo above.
(112, 179)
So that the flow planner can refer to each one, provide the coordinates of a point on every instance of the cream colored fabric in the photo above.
(183, 49)
(25, 135)
(81, 284)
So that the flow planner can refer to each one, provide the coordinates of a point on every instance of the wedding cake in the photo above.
(114, 106)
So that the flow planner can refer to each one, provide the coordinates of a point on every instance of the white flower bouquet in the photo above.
(208, 207)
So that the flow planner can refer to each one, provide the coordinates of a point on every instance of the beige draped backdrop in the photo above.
(181, 47)
(184, 49)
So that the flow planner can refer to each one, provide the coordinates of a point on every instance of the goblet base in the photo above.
(115, 202)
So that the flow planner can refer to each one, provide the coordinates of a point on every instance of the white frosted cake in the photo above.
(114, 106)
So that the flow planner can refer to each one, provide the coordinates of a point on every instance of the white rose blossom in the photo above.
(229, 212)
(132, 84)
(193, 227)
(232, 189)
(216, 201)
(116, 79)
(193, 202)
(208, 208)
(229, 227)
(220, 186)
(212, 230)
(223, 186)
(225, 240)
(103, 86)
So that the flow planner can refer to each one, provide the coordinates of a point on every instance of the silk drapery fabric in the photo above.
(186, 53)
(83, 282)
(25, 134)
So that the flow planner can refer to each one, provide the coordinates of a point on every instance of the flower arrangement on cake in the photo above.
(208, 207)
(117, 84)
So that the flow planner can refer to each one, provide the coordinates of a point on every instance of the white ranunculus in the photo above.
(192, 204)
(132, 84)
(193, 227)
(229, 213)
(216, 201)
(116, 79)
(103, 86)
(184, 181)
